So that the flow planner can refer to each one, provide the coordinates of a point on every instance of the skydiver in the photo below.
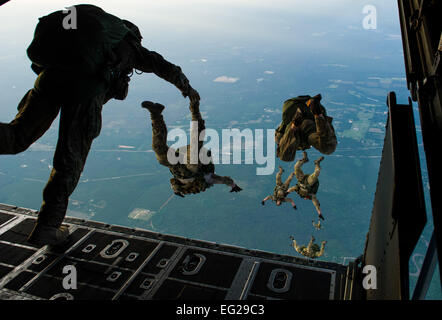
(78, 70)
(308, 184)
(312, 250)
(281, 190)
(317, 225)
(304, 124)
(187, 178)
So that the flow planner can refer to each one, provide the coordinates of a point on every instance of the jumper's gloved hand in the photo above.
(193, 95)
(235, 188)
(188, 91)
(179, 194)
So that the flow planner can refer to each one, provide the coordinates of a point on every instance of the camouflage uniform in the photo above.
(195, 173)
(316, 131)
(308, 184)
(281, 188)
(312, 250)
(317, 225)
(79, 94)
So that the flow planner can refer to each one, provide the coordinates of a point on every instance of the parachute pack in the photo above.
(288, 140)
(304, 190)
(84, 48)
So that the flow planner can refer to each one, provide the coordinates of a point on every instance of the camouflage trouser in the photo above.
(312, 178)
(320, 134)
(286, 184)
(159, 139)
(159, 136)
(80, 122)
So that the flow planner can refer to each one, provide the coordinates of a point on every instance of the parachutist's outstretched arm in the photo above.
(151, 61)
(291, 189)
(216, 179)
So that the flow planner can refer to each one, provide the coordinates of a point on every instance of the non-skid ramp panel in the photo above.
(104, 262)
(5, 217)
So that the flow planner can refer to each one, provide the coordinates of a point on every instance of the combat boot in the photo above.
(47, 235)
(154, 108)
(318, 161)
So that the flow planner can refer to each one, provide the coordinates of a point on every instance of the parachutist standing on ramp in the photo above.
(79, 70)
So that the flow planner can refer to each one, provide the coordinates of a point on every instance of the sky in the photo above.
(175, 28)
(268, 47)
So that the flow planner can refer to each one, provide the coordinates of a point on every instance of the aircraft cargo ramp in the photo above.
(113, 262)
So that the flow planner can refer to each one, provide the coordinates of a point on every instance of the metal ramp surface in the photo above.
(113, 262)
